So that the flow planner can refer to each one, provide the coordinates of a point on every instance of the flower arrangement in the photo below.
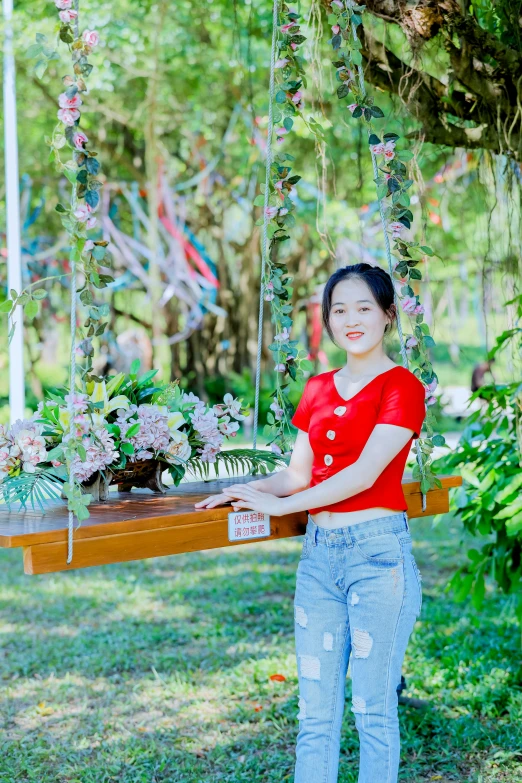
(125, 429)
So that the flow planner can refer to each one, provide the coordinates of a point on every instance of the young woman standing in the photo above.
(358, 590)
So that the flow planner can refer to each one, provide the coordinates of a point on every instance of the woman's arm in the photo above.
(385, 442)
(295, 477)
(383, 445)
(292, 479)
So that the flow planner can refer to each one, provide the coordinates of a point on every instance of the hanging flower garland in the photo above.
(86, 253)
(393, 184)
(290, 81)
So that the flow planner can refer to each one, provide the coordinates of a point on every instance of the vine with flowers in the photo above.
(81, 169)
(289, 103)
(393, 183)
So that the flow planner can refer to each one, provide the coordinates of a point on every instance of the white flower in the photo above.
(179, 449)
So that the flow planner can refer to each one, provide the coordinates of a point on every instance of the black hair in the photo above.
(378, 281)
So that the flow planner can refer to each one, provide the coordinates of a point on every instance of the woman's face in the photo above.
(356, 320)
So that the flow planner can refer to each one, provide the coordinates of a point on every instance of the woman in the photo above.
(358, 589)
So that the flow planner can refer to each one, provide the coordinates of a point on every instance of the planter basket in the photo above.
(142, 473)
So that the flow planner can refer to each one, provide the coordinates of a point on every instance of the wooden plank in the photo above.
(141, 511)
(48, 558)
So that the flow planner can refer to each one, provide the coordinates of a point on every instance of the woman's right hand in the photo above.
(212, 501)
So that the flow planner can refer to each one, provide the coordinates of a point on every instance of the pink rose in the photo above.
(68, 116)
(352, 107)
(377, 149)
(81, 213)
(79, 140)
(408, 304)
(91, 38)
(63, 4)
(68, 15)
(336, 29)
(69, 103)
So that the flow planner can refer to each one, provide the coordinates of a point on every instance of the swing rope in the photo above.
(72, 365)
(387, 247)
(264, 248)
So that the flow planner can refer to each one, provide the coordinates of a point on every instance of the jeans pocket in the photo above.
(305, 551)
(382, 550)
(419, 582)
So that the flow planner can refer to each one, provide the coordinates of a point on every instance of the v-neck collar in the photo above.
(334, 372)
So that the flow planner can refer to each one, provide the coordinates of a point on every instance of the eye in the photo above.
(365, 308)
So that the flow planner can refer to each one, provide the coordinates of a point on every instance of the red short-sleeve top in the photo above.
(338, 430)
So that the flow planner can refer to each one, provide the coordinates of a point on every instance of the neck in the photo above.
(371, 363)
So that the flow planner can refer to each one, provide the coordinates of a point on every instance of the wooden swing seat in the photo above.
(137, 525)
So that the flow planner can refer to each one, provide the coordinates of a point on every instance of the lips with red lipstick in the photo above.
(354, 335)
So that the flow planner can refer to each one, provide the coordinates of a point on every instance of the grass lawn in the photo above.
(159, 671)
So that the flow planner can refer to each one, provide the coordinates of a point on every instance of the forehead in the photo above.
(351, 290)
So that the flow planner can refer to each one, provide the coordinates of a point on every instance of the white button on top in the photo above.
(340, 410)
(328, 459)
(330, 434)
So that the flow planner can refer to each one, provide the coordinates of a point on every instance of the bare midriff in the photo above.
(336, 519)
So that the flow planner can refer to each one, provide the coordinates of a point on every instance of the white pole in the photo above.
(14, 270)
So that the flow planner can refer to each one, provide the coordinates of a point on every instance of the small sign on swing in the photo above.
(246, 525)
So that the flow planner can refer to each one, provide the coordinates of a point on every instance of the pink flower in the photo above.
(352, 107)
(408, 304)
(281, 131)
(270, 285)
(389, 153)
(397, 229)
(78, 400)
(336, 29)
(69, 103)
(419, 309)
(68, 116)
(55, 463)
(283, 336)
(91, 222)
(79, 140)
(275, 448)
(283, 211)
(269, 297)
(297, 97)
(88, 245)
(377, 149)
(91, 38)
(286, 27)
(430, 387)
(68, 15)
(81, 213)
(431, 401)
(293, 46)
(279, 185)
(281, 63)
(63, 4)
(280, 368)
(271, 212)
(278, 411)
(338, 4)
(411, 342)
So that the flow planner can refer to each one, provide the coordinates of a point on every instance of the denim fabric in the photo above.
(358, 594)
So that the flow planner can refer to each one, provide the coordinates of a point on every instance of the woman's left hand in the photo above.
(243, 496)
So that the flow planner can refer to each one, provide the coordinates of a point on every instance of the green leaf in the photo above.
(511, 486)
(356, 57)
(31, 309)
(259, 200)
(376, 112)
(92, 198)
(40, 68)
(60, 208)
(281, 96)
(427, 250)
(98, 252)
(288, 123)
(357, 112)
(127, 448)
(374, 139)
(356, 20)
(92, 165)
(514, 525)
(133, 430)
(134, 368)
(40, 293)
(33, 51)
(405, 155)
(6, 306)
(342, 91)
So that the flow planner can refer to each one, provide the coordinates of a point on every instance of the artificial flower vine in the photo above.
(393, 184)
(289, 103)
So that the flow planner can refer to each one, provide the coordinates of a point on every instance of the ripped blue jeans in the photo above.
(358, 594)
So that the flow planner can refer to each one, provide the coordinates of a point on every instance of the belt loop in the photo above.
(314, 530)
(406, 520)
